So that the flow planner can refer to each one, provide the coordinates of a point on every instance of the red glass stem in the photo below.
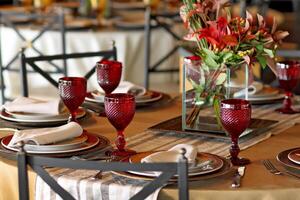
(287, 102)
(234, 150)
(120, 141)
(72, 117)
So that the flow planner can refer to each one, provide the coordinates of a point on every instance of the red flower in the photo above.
(217, 34)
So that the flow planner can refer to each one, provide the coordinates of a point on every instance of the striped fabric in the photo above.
(112, 187)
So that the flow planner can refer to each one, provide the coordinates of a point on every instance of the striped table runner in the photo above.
(112, 187)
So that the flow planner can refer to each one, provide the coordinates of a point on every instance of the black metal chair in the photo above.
(51, 21)
(159, 23)
(37, 163)
(31, 61)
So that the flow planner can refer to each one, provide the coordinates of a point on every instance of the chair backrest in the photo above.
(37, 163)
(31, 61)
(50, 21)
(160, 22)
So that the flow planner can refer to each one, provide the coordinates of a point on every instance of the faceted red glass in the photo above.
(72, 92)
(288, 73)
(120, 109)
(108, 75)
(235, 118)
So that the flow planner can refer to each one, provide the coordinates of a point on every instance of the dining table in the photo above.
(257, 183)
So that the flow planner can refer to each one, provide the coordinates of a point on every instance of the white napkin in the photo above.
(47, 135)
(173, 154)
(253, 89)
(30, 105)
(128, 87)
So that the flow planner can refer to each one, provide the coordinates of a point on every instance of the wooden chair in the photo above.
(37, 163)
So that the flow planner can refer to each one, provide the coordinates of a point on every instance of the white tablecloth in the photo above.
(130, 46)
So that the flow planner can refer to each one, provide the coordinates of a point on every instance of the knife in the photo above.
(236, 181)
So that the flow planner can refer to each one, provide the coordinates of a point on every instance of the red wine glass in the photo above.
(120, 109)
(108, 75)
(288, 73)
(72, 91)
(235, 118)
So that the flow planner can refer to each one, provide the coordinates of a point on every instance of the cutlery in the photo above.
(97, 154)
(236, 181)
(272, 169)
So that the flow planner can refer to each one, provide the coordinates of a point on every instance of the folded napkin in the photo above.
(47, 135)
(173, 154)
(253, 89)
(128, 87)
(30, 105)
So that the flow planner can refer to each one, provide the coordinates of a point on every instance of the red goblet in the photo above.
(120, 109)
(108, 75)
(72, 91)
(288, 73)
(235, 118)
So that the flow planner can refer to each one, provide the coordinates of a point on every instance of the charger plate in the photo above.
(36, 118)
(283, 158)
(148, 97)
(215, 162)
(224, 170)
(90, 142)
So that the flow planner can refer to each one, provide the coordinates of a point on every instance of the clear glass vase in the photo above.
(203, 88)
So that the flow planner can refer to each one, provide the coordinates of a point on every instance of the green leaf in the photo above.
(269, 52)
(259, 47)
(262, 61)
(210, 54)
(226, 56)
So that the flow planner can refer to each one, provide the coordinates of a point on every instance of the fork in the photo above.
(271, 168)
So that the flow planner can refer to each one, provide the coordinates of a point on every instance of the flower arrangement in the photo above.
(224, 41)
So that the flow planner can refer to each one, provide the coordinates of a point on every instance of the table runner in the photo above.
(81, 186)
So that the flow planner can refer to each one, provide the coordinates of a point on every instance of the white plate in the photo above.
(148, 97)
(294, 156)
(23, 118)
(215, 164)
(23, 115)
(91, 141)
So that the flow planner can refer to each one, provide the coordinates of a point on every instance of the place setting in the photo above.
(66, 140)
(109, 74)
(201, 166)
(27, 111)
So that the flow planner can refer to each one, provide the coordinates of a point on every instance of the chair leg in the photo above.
(22, 175)
(147, 45)
(23, 74)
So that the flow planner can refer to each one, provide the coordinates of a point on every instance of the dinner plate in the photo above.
(148, 97)
(224, 170)
(64, 113)
(294, 156)
(92, 140)
(283, 158)
(28, 118)
(63, 145)
(215, 163)
(266, 99)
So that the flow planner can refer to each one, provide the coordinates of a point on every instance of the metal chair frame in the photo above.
(149, 16)
(31, 61)
(37, 163)
(54, 20)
